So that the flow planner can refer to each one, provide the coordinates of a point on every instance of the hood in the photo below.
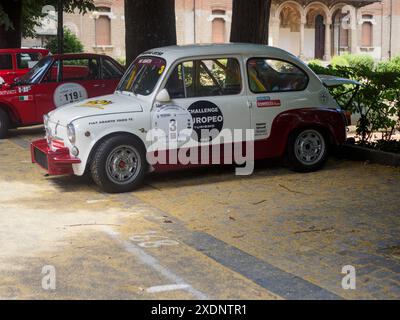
(333, 81)
(99, 106)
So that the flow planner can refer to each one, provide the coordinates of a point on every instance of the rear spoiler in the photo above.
(333, 81)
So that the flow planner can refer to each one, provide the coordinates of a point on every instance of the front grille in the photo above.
(41, 158)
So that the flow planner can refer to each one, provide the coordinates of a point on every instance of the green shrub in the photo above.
(71, 43)
(360, 61)
(378, 99)
(339, 61)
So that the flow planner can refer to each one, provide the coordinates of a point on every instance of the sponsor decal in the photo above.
(174, 123)
(25, 98)
(24, 89)
(206, 116)
(7, 92)
(69, 93)
(98, 104)
(266, 102)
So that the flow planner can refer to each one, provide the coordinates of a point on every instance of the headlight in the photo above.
(71, 133)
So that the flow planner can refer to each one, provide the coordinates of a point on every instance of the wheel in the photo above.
(119, 164)
(307, 150)
(4, 124)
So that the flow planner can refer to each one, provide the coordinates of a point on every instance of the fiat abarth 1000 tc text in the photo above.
(53, 82)
(191, 105)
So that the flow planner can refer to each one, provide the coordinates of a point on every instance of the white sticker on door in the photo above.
(69, 93)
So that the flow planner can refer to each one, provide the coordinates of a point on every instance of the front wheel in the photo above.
(119, 164)
(4, 124)
(307, 150)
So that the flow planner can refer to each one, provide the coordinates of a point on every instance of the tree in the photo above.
(20, 17)
(250, 19)
(71, 43)
(148, 24)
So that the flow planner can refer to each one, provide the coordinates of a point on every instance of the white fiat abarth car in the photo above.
(192, 105)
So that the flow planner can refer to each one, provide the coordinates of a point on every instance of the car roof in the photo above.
(177, 52)
(79, 55)
(18, 50)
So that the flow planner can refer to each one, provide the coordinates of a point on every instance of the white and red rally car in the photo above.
(182, 105)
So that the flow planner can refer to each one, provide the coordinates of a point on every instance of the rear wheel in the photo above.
(119, 164)
(307, 150)
(4, 124)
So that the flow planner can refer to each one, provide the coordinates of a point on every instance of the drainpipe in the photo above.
(60, 27)
(391, 29)
(194, 21)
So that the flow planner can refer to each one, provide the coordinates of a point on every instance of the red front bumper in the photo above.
(57, 162)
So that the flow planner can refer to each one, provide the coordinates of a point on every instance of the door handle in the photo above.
(249, 104)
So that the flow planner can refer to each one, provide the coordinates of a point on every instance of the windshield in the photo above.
(36, 73)
(143, 75)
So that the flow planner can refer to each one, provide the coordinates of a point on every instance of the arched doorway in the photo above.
(340, 34)
(319, 37)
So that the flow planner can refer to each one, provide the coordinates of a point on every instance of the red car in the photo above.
(53, 82)
(16, 62)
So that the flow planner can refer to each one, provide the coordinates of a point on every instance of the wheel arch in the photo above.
(328, 121)
(13, 117)
(106, 137)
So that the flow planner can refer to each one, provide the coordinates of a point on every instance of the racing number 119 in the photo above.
(73, 96)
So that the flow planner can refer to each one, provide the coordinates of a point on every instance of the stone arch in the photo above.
(289, 3)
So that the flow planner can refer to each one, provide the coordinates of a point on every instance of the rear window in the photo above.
(6, 62)
(27, 60)
(110, 70)
(80, 69)
(271, 75)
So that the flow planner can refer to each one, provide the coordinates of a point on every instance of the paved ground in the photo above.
(204, 234)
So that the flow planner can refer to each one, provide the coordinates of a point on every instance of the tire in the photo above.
(4, 124)
(307, 150)
(119, 164)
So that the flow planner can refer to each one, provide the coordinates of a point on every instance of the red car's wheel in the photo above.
(4, 124)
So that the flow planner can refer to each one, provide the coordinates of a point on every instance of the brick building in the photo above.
(307, 28)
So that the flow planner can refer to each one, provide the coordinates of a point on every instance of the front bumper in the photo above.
(57, 162)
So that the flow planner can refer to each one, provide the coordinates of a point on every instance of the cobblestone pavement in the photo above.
(201, 234)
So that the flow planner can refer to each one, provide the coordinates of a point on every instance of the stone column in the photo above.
(328, 44)
(275, 23)
(302, 25)
(353, 31)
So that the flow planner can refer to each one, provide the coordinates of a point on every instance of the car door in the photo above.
(211, 91)
(7, 73)
(272, 84)
(69, 80)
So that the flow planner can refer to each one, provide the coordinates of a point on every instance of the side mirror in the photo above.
(163, 96)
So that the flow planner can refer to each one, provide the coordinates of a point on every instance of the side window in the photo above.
(27, 60)
(204, 78)
(110, 70)
(6, 62)
(180, 82)
(269, 75)
(80, 69)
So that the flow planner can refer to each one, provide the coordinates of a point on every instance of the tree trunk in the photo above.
(149, 24)
(250, 20)
(10, 36)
